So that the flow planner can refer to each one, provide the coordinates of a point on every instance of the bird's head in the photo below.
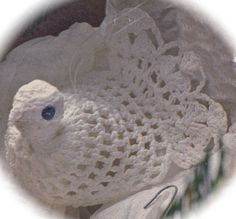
(37, 110)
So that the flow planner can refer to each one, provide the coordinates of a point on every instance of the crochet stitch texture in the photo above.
(130, 111)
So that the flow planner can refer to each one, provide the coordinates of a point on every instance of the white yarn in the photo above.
(124, 121)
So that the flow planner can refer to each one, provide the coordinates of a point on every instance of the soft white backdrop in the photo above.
(13, 13)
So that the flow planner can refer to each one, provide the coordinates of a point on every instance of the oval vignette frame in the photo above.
(7, 197)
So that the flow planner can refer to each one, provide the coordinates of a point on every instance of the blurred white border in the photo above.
(13, 13)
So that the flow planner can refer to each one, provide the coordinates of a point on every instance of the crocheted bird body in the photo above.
(115, 132)
(109, 145)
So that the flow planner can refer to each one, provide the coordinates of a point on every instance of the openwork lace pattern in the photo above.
(125, 121)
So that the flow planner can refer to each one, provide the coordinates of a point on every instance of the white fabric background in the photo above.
(13, 203)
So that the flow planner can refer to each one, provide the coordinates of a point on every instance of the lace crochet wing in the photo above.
(185, 122)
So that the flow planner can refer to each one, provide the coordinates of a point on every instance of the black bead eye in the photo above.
(48, 113)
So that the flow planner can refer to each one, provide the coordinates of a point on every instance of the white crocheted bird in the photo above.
(120, 129)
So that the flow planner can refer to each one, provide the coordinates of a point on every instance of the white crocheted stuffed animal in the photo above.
(118, 131)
